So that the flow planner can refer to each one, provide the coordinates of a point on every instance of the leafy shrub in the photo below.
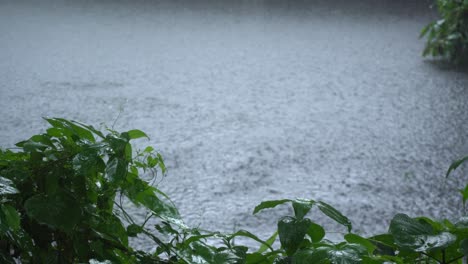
(60, 195)
(61, 203)
(448, 36)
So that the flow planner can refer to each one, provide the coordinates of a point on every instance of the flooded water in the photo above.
(250, 100)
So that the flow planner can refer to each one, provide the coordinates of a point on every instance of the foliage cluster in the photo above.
(61, 202)
(448, 36)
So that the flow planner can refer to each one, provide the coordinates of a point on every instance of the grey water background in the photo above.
(250, 100)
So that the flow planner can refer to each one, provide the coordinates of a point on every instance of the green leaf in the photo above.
(111, 228)
(44, 139)
(116, 170)
(141, 193)
(196, 238)
(244, 233)
(356, 239)
(425, 30)
(418, 236)
(52, 183)
(76, 129)
(334, 214)
(133, 230)
(311, 256)
(161, 164)
(90, 128)
(148, 149)
(9, 218)
(464, 193)
(32, 146)
(302, 207)
(347, 253)
(464, 247)
(135, 133)
(269, 242)
(269, 204)
(385, 244)
(291, 232)
(455, 165)
(257, 258)
(128, 152)
(316, 232)
(7, 187)
(55, 132)
(204, 252)
(342, 253)
(58, 211)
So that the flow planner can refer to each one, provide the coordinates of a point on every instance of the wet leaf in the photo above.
(316, 232)
(334, 214)
(301, 207)
(133, 230)
(418, 236)
(464, 193)
(244, 233)
(455, 165)
(343, 254)
(311, 256)
(142, 194)
(291, 232)
(112, 229)
(269, 204)
(135, 133)
(116, 170)
(356, 239)
(76, 129)
(269, 242)
(257, 258)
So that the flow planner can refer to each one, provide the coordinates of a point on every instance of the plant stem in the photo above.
(455, 259)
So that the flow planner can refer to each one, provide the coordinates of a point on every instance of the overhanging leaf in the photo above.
(464, 193)
(244, 233)
(75, 128)
(269, 204)
(269, 242)
(135, 133)
(334, 214)
(455, 165)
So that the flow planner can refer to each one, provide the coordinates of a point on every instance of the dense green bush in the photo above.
(448, 36)
(61, 195)
(61, 202)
